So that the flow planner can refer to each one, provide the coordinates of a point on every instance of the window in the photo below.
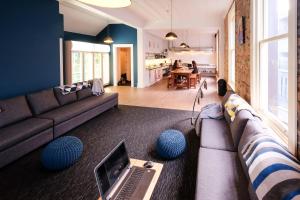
(274, 66)
(90, 61)
(231, 47)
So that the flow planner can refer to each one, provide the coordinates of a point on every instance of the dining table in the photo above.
(186, 72)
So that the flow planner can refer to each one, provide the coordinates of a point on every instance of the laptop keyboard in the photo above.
(131, 184)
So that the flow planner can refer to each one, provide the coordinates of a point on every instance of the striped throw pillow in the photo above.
(274, 172)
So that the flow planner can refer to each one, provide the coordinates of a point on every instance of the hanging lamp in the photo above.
(108, 39)
(183, 45)
(108, 3)
(171, 35)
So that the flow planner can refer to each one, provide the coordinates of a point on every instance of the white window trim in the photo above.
(291, 137)
(231, 14)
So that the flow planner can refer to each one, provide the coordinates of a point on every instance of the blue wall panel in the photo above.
(121, 34)
(29, 46)
(80, 37)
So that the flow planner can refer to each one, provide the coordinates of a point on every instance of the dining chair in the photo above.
(193, 80)
(171, 80)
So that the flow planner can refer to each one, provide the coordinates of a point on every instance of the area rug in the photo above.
(26, 179)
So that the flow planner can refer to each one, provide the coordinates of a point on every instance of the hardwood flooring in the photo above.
(159, 96)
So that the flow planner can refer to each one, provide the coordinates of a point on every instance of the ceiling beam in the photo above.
(120, 15)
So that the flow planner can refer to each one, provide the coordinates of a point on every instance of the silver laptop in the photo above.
(117, 179)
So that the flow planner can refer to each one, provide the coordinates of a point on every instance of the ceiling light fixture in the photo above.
(171, 35)
(108, 39)
(183, 45)
(108, 3)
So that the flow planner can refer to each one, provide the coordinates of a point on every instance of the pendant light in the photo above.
(187, 36)
(108, 3)
(108, 39)
(183, 44)
(171, 35)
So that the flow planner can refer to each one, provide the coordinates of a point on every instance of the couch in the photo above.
(222, 172)
(28, 122)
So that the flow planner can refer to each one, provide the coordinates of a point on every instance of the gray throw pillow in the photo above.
(42, 101)
(84, 93)
(13, 110)
(64, 99)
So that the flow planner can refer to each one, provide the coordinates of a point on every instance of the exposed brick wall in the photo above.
(298, 75)
(242, 52)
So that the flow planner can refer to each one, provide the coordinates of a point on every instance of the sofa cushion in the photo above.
(215, 134)
(253, 128)
(84, 93)
(64, 99)
(274, 172)
(69, 111)
(13, 110)
(42, 101)
(21, 131)
(238, 125)
(220, 176)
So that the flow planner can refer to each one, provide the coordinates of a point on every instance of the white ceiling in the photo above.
(192, 16)
(81, 21)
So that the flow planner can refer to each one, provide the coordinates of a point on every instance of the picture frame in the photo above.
(241, 30)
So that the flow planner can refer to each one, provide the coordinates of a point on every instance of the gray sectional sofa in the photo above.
(222, 174)
(28, 122)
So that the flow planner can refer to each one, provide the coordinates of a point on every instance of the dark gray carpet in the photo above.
(139, 126)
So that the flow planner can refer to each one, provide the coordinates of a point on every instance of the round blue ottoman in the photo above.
(170, 144)
(62, 153)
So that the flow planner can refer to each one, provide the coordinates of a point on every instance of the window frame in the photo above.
(82, 55)
(257, 39)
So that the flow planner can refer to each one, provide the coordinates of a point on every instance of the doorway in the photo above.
(123, 65)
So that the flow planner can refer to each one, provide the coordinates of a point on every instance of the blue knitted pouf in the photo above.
(170, 144)
(62, 153)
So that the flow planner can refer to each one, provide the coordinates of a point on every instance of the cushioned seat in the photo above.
(62, 153)
(69, 111)
(215, 134)
(170, 144)
(20, 131)
(220, 176)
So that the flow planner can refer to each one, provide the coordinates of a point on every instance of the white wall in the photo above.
(221, 52)
(188, 57)
(152, 44)
(196, 40)
(201, 40)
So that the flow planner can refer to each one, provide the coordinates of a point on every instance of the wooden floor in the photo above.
(160, 96)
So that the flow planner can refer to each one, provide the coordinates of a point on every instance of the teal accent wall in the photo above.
(29, 46)
(80, 37)
(121, 34)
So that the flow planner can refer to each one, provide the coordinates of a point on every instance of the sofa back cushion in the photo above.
(64, 99)
(273, 171)
(254, 128)
(42, 101)
(13, 110)
(84, 93)
(238, 125)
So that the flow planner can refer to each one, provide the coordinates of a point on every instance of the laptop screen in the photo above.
(111, 167)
